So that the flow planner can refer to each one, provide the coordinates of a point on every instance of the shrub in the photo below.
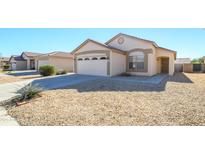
(6, 67)
(64, 72)
(61, 72)
(125, 74)
(30, 91)
(47, 70)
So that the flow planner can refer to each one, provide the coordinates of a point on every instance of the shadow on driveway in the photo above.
(127, 84)
(86, 83)
(62, 81)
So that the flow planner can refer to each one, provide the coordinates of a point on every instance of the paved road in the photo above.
(23, 73)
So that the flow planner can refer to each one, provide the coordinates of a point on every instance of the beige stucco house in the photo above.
(61, 60)
(123, 54)
(182, 64)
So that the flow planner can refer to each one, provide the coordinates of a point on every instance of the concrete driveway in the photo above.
(9, 90)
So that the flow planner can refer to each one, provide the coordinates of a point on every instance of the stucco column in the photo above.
(171, 65)
(28, 64)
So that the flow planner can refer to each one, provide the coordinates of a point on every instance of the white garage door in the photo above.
(13, 66)
(42, 63)
(92, 67)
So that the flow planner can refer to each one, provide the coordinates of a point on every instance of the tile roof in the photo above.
(58, 54)
(17, 58)
(31, 54)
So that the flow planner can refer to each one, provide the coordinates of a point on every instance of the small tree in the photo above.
(198, 61)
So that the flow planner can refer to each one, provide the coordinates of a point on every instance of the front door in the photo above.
(164, 65)
(32, 64)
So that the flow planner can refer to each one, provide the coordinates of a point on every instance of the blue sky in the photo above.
(187, 42)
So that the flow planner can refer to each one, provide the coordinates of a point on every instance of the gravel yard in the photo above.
(178, 100)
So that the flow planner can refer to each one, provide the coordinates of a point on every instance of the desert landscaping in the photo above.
(178, 100)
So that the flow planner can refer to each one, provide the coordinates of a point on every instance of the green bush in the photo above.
(7, 66)
(47, 70)
(30, 91)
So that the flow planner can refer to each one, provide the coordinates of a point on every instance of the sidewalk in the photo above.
(5, 119)
(8, 90)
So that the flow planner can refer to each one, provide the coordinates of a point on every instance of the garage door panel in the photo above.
(92, 67)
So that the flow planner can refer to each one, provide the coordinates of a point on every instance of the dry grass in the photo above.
(177, 101)
(10, 79)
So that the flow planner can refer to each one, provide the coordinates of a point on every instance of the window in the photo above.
(132, 65)
(136, 61)
(140, 62)
(86, 59)
(80, 59)
(102, 58)
(94, 58)
(132, 62)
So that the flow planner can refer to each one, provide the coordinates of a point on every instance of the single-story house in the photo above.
(18, 63)
(180, 64)
(61, 60)
(26, 61)
(30, 57)
(123, 54)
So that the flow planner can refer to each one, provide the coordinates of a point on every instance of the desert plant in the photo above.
(47, 70)
(29, 91)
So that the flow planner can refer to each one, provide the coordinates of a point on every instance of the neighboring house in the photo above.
(180, 64)
(18, 63)
(30, 58)
(61, 60)
(185, 65)
(26, 61)
(123, 53)
(4, 61)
